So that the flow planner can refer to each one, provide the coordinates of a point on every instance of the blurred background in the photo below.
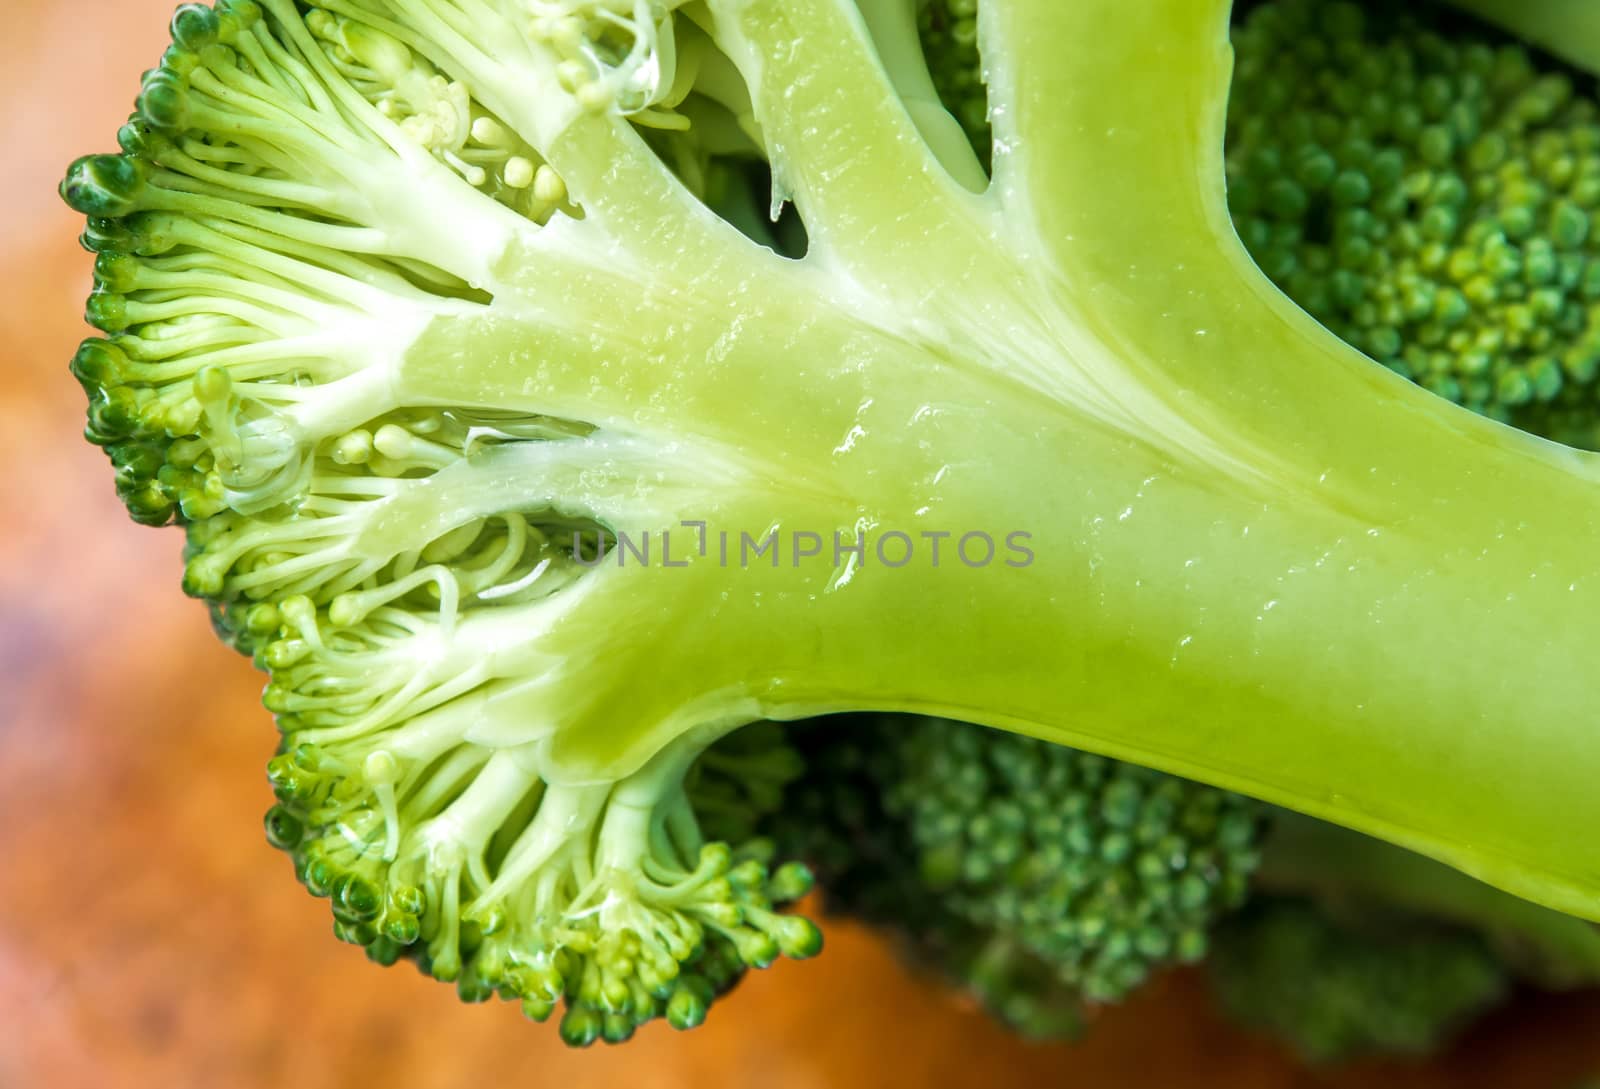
(150, 937)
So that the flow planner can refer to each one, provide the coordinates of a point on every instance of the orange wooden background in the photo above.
(148, 935)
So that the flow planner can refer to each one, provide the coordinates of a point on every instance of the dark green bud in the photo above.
(194, 26)
(236, 15)
(798, 938)
(357, 899)
(285, 777)
(409, 899)
(164, 101)
(152, 233)
(138, 139)
(691, 999)
(472, 987)
(383, 951)
(283, 828)
(146, 501)
(354, 933)
(115, 273)
(107, 311)
(103, 235)
(136, 461)
(790, 882)
(538, 1007)
(318, 877)
(104, 186)
(403, 929)
(580, 1026)
(98, 363)
(179, 61)
(617, 1028)
(113, 416)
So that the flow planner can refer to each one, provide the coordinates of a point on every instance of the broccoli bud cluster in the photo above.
(1045, 880)
(280, 375)
(1429, 196)
(1335, 988)
(1104, 870)
(617, 941)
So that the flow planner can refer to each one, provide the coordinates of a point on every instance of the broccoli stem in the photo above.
(1261, 561)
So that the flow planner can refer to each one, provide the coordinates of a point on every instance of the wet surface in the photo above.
(148, 934)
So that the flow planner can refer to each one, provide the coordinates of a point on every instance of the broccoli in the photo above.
(939, 835)
(1410, 969)
(1046, 881)
(1350, 946)
(1429, 202)
(1334, 989)
(1100, 868)
(528, 477)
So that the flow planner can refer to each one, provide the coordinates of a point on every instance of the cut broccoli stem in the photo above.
(894, 26)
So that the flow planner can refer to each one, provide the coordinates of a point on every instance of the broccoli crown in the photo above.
(255, 282)
(1104, 870)
(1427, 191)
(868, 868)
(1334, 989)
(1043, 879)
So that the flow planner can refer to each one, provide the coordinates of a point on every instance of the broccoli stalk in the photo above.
(407, 318)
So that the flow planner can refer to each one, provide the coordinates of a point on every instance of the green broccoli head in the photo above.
(512, 462)
(1044, 880)
(1101, 870)
(1334, 989)
(257, 288)
(1426, 191)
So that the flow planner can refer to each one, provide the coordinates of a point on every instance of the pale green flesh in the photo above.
(1378, 622)
(1261, 560)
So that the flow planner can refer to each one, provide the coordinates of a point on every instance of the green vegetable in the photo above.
(1045, 880)
(1101, 869)
(1345, 945)
(1333, 989)
(1294, 87)
(1429, 201)
(416, 321)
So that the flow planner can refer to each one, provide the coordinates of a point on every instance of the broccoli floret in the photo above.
(1350, 946)
(417, 322)
(1428, 195)
(1382, 951)
(868, 868)
(1334, 989)
(266, 268)
(1102, 870)
(1044, 880)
